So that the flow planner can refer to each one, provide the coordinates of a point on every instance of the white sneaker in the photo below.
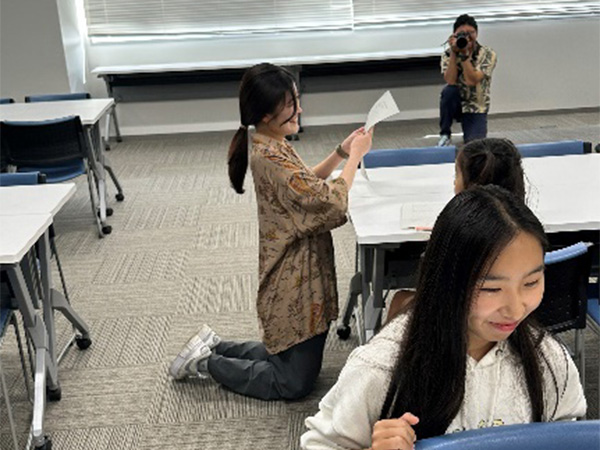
(209, 337)
(186, 363)
(444, 141)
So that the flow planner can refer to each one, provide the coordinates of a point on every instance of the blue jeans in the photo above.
(474, 125)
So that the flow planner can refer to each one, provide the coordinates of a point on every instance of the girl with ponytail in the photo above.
(297, 209)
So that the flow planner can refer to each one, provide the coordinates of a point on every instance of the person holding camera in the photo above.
(467, 67)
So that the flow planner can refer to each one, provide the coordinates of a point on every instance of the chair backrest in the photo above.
(44, 143)
(409, 156)
(57, 97)
(564, 304)
(581, 435)
(554, 148)
(22, 178)
(6, 100)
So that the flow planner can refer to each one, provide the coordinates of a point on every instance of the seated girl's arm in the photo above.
(349, 410)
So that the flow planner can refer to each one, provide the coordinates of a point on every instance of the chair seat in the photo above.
(58, 174)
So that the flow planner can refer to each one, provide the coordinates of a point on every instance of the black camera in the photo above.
(462, 39)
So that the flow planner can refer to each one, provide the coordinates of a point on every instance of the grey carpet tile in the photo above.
(220, 261)
(119, 342)
(104, 397)
(249, 433)
(228, 235)
(90, 437)
(223, 293)
(163, 217)
(141, 299)
(135, 267)
(195, 400)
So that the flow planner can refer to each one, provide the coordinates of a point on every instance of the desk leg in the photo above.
(374, 304)
(96, 162)
(45, 371)
(54, 300)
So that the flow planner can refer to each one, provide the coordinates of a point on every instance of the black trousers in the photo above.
(249, 369)
(474, 125)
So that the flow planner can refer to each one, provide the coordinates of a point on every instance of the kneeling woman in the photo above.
(297, 209)
(467, 355)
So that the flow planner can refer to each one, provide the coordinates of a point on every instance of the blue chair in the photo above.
(580, 435)
(6, 100)
(59, 149)
(57, 97)
(554, 148)
(564, 305)
(75, 96)
(409, 157)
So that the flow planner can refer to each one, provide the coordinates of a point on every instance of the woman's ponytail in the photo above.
(237, 159)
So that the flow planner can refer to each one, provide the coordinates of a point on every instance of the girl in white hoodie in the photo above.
(467, 355)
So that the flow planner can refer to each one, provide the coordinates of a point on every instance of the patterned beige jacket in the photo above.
(297, 292)
(475, 99)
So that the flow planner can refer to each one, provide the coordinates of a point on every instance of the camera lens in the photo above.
(461, 42)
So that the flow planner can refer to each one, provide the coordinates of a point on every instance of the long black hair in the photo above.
(492, 161)
(263, 91)
(429, 374)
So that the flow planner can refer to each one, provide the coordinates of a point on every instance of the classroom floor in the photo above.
(183, 252)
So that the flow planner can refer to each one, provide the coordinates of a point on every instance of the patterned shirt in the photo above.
(297, 291)
(475, 99)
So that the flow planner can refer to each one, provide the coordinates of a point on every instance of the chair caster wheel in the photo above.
(120, 197)
(109, 212)
(106, 229)
(83, 342)
(343, 332)
(47, 445)
(54, 395)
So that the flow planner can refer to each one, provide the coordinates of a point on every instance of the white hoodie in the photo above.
(495, 392)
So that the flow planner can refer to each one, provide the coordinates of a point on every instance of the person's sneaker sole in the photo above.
(175, 370)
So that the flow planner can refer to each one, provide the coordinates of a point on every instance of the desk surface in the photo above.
(89, 110)
(19, 233)
(245, 63)
(37, 199)
(561, 190)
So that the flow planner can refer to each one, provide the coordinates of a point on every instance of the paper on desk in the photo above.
(419, 214)
(382, 109)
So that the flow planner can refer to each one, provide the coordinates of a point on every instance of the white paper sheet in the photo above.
(382, 109)
(420, 215)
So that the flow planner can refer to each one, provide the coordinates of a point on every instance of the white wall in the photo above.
(543, 65)
(32, 59)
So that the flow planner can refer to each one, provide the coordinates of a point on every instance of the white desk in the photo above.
(26, 214)
(35, 199)
(18, 234)
(561, 190)
(90, 111)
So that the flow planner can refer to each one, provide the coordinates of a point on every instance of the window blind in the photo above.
(221, 17)
(210, 17)
(410, 12)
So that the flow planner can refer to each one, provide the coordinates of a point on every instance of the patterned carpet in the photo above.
(183, 252)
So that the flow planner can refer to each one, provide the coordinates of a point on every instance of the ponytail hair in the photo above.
(263, 91)
(492, 161)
